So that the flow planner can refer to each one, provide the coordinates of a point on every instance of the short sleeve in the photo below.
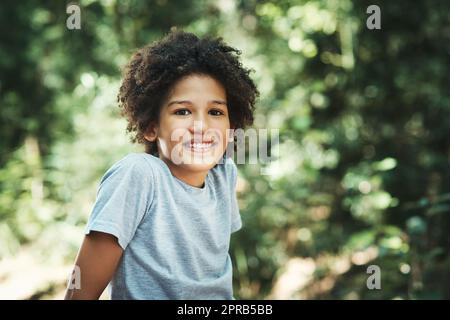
(124, 196)
(236, 221)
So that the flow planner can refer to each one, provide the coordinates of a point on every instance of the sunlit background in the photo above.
(364, 117)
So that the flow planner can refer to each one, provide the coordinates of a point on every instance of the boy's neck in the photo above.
(192, 178)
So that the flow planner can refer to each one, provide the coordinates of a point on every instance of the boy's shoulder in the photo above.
(133, 163)
(227, 169)
(137, 159)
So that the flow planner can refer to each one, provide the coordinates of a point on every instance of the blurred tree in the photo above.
(366, 150)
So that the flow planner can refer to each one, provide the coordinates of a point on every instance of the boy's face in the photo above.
(192, 130)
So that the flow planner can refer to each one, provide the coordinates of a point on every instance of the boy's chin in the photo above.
(199, 164)
(198, 167)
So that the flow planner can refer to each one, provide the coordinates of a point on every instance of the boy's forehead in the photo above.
(195, 87)
(195, 82)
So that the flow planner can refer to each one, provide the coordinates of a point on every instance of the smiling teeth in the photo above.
(200, 145)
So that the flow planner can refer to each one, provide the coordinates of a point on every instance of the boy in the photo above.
(160, 227)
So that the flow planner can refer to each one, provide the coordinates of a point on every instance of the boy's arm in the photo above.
(97, 261)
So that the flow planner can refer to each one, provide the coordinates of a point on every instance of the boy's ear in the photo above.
(151, 133)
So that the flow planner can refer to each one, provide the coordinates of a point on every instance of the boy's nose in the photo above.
(198, 127)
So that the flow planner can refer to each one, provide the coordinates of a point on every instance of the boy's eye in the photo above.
(182, 112)
(216, 112)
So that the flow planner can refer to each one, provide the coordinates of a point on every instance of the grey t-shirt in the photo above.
(175, 236)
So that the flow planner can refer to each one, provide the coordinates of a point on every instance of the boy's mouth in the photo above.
(199, 147)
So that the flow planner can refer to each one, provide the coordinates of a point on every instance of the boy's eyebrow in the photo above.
(189, 102)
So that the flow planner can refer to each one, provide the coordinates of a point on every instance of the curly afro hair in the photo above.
(154, 69)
